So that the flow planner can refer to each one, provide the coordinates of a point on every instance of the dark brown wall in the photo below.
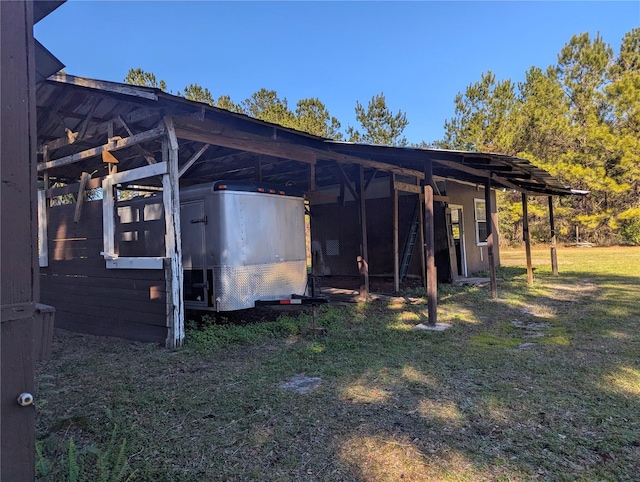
(88, 297)
(17, 244)
(342, 223)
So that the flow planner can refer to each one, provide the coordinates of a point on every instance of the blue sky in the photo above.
(420, 54)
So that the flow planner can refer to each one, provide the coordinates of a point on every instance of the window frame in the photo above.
(476, 203)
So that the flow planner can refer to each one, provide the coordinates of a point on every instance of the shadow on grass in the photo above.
(465, 404)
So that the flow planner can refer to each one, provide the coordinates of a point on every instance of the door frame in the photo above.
(463, 244)
(206, 288)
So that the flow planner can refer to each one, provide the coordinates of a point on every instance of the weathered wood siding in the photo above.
(89, 298)
(334, 225)
(17, 246)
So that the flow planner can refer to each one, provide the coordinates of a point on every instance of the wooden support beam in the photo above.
(109, 147)
(87, 120)
(126, 89)
(312, 177)
(138, 173)
(258, 168)
(217, 134)
(483, 174)
(108, 218)
(490, 239)
(149, 157)
(527, 238)
(43, 220)
(554, 253)
(173, 244)
(349, 159)
(396, 241)
(423, 259)
(363, 262)
(346, 182)
(432, 274)
(406, 187)
(193, 159)
(97, 129)
(366, 186)
(258, 146)
(84, 178)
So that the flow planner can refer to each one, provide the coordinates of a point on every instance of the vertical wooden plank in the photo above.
(18, 423)
(108, 220)
(18, 238)
(430, 248)
(312, 177)
(396, 242)
(429, 245)
(554, 254)
(43, 230)
(84, 178)
(258, 168)
(423, 260)
(16, 193)
(527, 238)
(173, 244)
(363, 264)
(490, 239)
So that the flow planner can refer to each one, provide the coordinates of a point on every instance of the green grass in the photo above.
(488, 399)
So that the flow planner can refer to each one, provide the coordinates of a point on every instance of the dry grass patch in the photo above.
(393, 403)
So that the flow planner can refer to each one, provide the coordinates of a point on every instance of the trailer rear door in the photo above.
(192, 225)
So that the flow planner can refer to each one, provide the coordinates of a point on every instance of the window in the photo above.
(481, 221)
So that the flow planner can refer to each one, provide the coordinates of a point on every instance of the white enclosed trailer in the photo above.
(243, 243)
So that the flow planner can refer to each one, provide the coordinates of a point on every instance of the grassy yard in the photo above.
(543, 383)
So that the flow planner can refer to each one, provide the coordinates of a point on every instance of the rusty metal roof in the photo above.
(68, 105)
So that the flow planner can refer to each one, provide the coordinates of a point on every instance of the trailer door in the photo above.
(192, 226)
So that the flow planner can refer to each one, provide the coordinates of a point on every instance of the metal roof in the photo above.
(68, 104)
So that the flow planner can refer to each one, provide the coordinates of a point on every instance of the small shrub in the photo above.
(631, 231)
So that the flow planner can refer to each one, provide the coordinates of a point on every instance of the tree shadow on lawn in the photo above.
(555, 409)
(466, 404)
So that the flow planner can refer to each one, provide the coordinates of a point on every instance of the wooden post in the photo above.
(490, 240)
(429, 246)
(18, 246)
(554, 254)
(173, 245)
(363, 263)
(312, 176)
(396, 243)
(423, 260)
(259, 168)
(527, 238)
(432, 275)
(84, 178)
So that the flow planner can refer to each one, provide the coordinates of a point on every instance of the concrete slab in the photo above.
(437, 327)
(301, 383)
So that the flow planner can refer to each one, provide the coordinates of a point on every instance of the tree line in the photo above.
(579, 119)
